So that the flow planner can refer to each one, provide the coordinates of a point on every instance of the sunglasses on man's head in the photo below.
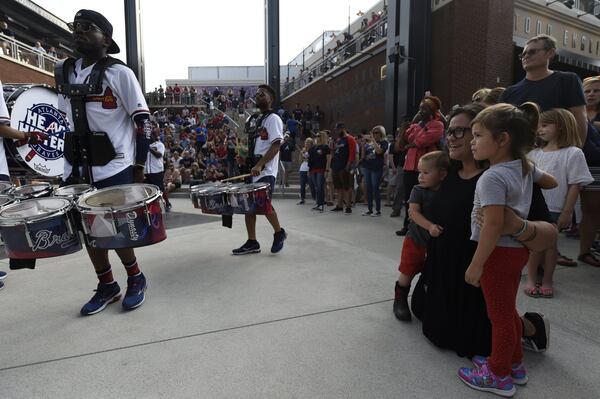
(531, 52)
(82, 26)
(457, 132)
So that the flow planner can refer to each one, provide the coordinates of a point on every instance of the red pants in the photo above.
(412, 258)
(500, 284)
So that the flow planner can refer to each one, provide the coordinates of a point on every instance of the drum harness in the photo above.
(84, 148)
(252, 127)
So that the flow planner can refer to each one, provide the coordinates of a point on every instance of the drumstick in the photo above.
(237, 177)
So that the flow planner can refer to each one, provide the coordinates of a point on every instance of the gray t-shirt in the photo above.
(424, 197)
(504, 184)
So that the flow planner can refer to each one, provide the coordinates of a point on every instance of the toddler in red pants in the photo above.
(502, 135)
(433, 168)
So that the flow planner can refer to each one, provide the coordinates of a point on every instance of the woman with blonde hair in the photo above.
(304, 169)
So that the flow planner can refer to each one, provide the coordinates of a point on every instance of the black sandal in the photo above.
(590, 259)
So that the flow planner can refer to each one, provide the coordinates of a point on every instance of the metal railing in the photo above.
(360, 44)
(10, 47)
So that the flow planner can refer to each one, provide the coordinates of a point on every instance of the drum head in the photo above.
(117, 198)
(36, 109)
(5, 187)
(29, 190)
(34, 209)
(5, 199)
(202, 187)
(74, 190)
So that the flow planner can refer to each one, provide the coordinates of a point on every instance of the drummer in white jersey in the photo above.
(9, 132)
(266, 153)
(122, 113)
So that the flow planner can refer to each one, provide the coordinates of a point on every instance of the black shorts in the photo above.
(123, 177)
(158, 179)
(342, 179)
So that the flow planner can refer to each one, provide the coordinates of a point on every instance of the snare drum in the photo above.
(250, 198)
(211, 198)
(31, 191)
(39, 228)
(5, 187)
(74, 191)
(6, 200)
(125, 216)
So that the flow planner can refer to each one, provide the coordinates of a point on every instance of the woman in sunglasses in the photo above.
(454, 313)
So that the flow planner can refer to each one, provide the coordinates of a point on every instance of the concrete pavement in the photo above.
(314, 321)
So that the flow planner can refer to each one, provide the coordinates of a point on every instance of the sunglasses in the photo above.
(457, 132)
(530, 53)
(83, 26)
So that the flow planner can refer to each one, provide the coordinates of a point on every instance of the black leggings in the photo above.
(411, 179)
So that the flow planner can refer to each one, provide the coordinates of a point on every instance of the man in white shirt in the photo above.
(266, 153)
(155, 167)
(121, 112)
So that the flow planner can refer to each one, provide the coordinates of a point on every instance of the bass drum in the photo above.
(35, 108)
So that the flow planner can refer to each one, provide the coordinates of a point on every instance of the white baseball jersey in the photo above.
(274, 132)
(4, 120)
(111, 112)
(154, 164)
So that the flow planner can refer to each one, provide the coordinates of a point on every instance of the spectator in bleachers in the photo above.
(297, 112)
(177, 94)
(52, 52)
(316, 119)
(172, 178)
(8, 33)
(169, 95)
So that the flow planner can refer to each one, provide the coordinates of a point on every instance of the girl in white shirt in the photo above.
(561, 156)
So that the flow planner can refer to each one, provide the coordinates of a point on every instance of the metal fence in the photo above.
(360, 44)
(10, 47)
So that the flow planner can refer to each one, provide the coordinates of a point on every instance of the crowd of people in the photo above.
(486, 189)
(195, 147)
(223, 100)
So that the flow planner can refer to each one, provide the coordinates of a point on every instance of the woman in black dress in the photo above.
(453, 312)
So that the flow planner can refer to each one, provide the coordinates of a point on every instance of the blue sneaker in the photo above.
(2, 275)
(518, 372)
(105, 295)
(482, 379)
(134, 297)
(278, 239)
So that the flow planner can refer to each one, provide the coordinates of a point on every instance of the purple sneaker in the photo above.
(518, 372)
(482, 379)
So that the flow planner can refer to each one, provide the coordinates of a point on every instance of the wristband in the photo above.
(139, 165)
(532, 236)
(520, 232)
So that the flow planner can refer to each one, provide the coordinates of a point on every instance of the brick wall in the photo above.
(13, 72)
(356, 97)
(472, 47)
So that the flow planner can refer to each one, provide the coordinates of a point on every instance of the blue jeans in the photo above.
(318, 180)
(305, 178)
(372, 182)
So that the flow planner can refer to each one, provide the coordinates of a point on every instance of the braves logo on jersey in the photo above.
(45, 118)
(108, 99)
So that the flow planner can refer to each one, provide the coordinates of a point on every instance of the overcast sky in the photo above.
(181, 33)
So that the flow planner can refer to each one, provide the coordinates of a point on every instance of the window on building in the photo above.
(515, 22)
(590, 46)
(549, 30)
(527, 25)
(538, 27)
(583, 40)
(566, 38)
(574, 41)
(598, 47)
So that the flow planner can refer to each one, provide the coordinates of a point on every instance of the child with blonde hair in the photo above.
(561, 156)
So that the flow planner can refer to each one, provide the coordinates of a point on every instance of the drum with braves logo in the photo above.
(211, 198)
(39, 228)
(125, 216)
(5, 187)
(250, 198)
(30, 191)
(35, 108)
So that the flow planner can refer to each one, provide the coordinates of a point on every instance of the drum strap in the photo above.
(80, 153)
